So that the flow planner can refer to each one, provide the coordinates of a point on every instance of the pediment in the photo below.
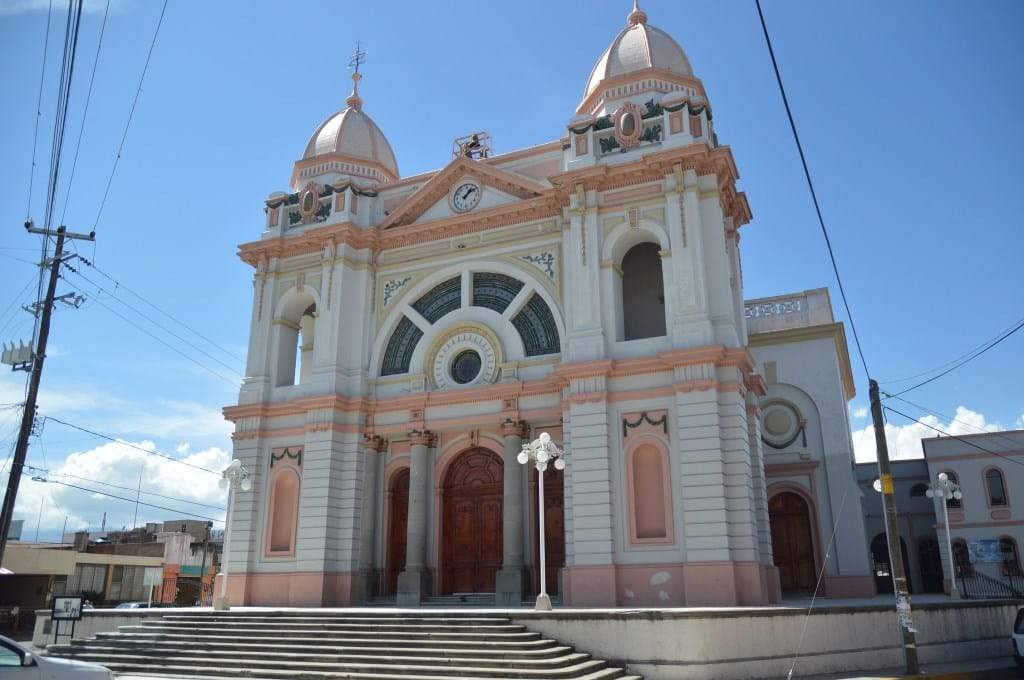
(431, 200)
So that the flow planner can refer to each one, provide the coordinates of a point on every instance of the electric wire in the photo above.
(951, 419)
(130, 445)
(46, 471)
(118, 285)
(85, 113)
(67, 72)
(131, 115)
(810, 185)
(962, 362)
(152, 321)
(39, 113)
(152, 335)
(947, 434)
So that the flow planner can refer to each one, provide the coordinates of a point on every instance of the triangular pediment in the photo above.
(431, 200)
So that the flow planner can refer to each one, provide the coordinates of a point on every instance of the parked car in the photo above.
(1018, 638)
(133, 605)
(19, 663)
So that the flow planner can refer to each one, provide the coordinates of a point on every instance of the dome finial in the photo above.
(358, 57)
(637, 16)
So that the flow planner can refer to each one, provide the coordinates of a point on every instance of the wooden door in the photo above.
(398, 519)
(554, 528)
(791, 542)
(472, 523)
(930, 564)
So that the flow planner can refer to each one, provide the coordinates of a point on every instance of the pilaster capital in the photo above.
(513, 428)
(421, 438)
(375, 443)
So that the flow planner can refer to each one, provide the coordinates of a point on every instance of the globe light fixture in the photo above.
(946, 490)
(234, 478)
(542, 451)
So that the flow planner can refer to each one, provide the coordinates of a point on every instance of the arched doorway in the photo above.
(398, 518)
(792, 544)
(883, 569)
(471, 550)
(554, 528)
(930, 564)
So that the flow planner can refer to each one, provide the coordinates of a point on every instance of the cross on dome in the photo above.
(358, 57)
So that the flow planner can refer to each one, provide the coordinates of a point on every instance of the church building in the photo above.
(409, 334)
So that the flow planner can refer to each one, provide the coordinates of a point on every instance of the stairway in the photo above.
(359, 644)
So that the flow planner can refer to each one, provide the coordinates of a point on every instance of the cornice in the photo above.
(835, 331)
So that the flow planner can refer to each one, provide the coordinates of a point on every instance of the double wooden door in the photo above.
(792, 544)
(398, 521)
(472, 523)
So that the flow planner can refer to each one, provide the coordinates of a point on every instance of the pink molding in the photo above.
(292, 589)
(283, 511)
(646, 489)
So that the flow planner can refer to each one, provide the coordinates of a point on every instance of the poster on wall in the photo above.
(66, 608)
(984, 551)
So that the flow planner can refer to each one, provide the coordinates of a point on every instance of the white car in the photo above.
(18, 663)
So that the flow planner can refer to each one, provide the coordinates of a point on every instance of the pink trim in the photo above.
(292, 589)
(643, 500)
(979, 525)
(675, 122)
(289, 513)
(581, 145)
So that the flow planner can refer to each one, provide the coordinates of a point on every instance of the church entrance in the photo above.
(471, 529)
(398, 518)
(791, 542)
(554, 528)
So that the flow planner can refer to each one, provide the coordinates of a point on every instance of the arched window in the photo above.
(995, 486)
(962, 559)
(643, 293)
(649, 494)
(950, 501)
(919, 491)
(283, 508)
(1010, 557)
(296, 330)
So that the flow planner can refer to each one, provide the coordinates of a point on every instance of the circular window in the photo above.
(778, 421)
(466, 366)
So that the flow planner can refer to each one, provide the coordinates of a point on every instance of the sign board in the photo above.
(153, 576)
(984, 551)
(66, 608)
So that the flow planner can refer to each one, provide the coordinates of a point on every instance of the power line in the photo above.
(118, 284)
(155, 337)
(131, 114)
(14, 302)
(85, 113)
(947, 434)
(155, 323)
(130, 445)
(966, 360)
(932, 411)
(67, 72)
(39, 113)
(123, 488)
(810, 185)
(132, 500)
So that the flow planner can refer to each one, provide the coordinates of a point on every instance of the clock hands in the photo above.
(464, 194)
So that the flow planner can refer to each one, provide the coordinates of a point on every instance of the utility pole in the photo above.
(28, 415)
(892, 532)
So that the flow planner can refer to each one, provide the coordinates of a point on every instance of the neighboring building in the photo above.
(408, 335)
(987, 524)
(809, 459)
(921, 545)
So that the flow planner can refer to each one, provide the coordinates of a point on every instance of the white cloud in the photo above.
(120, 464)
(904, 440)
(860, 413)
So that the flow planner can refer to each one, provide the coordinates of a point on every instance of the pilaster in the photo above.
(510, 582)
(370, 525)
(414, 581)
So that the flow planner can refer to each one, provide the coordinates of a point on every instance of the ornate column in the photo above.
(414, 581)
(510, 582)
(368, 575)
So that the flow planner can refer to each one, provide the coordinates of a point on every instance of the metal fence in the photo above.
(979, 586)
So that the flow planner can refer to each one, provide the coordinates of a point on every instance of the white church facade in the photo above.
(409, 334)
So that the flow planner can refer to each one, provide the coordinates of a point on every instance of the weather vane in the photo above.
(358, 57)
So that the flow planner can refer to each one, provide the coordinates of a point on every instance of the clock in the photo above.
(466, 196)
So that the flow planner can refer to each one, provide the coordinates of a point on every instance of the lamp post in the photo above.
(235, 477)
(542, 451)
(944, 489)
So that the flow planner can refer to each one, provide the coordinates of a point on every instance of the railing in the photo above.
(978, 586)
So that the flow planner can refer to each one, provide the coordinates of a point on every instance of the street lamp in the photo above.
(234, 478)
(944, 489)
(542, 450)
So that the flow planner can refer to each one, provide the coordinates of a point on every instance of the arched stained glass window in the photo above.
(536, 326)
(495, 291)
(443, 298)
(402, 344)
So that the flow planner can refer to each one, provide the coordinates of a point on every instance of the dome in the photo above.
(352, 133)
(637, 47)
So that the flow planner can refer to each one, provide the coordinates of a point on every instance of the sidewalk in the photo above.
(980, 669)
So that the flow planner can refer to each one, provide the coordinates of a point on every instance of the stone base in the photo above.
(366, 581)
(509, 586)
(413, 587)
(850, 586)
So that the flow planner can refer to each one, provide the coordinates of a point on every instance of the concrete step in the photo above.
(378, 647)
(442, 625)
(260, 659)
(339, 640)
(426, 633)
(368, 619)
(268, 668)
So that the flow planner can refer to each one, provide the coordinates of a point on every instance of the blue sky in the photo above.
(909, 112)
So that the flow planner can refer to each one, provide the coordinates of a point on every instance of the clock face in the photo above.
(466, 196)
